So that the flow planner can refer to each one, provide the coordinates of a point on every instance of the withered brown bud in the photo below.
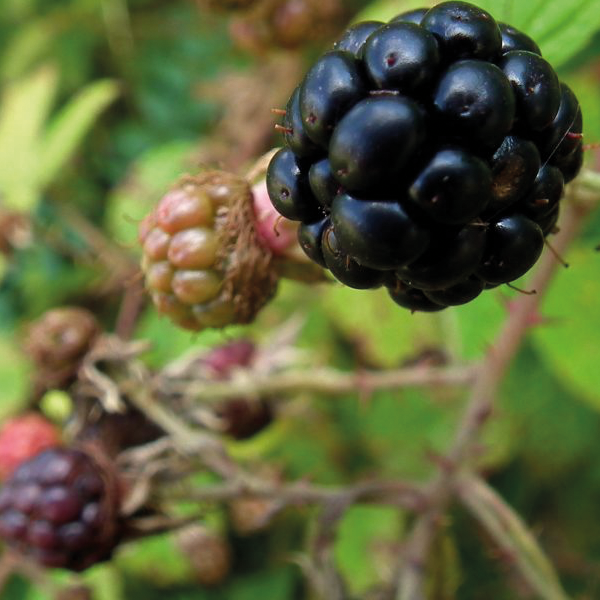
(58, 341)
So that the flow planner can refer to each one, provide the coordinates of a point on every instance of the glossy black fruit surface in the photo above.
(332, 86)
(513, 246)
(453, 187)
(289, 188)
(355, 36)
(375, 142)
(401, 56)
(475, 102)
(428, 154)
(412, 298)
(513, 39)
(344, 268)
(464, 30)
(536, 88)
(378, 233)
(410, 16)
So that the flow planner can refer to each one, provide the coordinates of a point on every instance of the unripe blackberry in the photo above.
(24, 437)
(203, 261)
(61, 509)
(57, 343)
(428, 154)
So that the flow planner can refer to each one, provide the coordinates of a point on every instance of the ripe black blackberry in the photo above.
(428, 154)
(60, 508)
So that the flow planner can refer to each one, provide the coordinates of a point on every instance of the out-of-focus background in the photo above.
(103, 104)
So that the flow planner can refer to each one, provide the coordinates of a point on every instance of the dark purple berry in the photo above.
(536, 88)
(451, 258)
(410, 16)
(289, 189)
(454, 187)
(412, 298)
(563, 136)
(513, 245)
(548, 222)
(331, 87)
(475, 103)
(294, 134)
(310, 236)
(571, 164)
(355, 36)
(401, 56)
(375, 142)
(545, 194)
(323, 184)
(46, 512)
(345, 269)
(464, 31)
(377, 234)
(459, 293)
(513, 39)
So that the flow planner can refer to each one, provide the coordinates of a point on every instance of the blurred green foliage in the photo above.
(99, 113)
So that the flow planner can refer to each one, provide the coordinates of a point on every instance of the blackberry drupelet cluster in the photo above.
(427, 154)
(60, 508)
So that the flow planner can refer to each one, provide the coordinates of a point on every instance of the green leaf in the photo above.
(561, 28)
(69, 127)
(25, 106)
(384, 10)
(569, 342)
(14, 375)
(365, 545)
(28, 44)
(388, 334)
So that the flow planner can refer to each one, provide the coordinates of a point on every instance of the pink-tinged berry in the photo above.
(221, 360)
(275, 231)
(61, 509)
(24, 437)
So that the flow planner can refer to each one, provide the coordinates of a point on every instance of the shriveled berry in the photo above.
(401, 56)
(513, 245)
(410, 16)
(459, 293)
(355, 36)
(375, 142)
(464, 30)
(454, 187)
(536, 88)
(475, 102)
(345, 269)
(331, 87)
(514, 168)
(378, 233)
(412, 298)
(513, 39)
(289, 188)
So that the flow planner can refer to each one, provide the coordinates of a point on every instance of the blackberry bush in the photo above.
(60, 508)
(427, 154)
